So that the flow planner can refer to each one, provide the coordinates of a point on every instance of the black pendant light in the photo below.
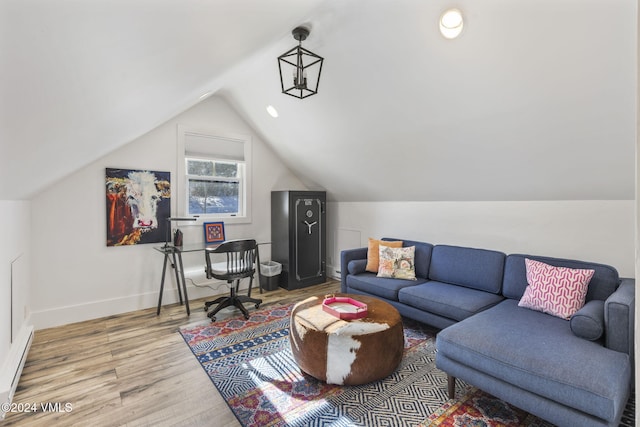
(300, 68)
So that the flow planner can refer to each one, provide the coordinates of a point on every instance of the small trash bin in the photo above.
(269, 272)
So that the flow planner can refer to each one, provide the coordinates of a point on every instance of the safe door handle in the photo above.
(309, 225)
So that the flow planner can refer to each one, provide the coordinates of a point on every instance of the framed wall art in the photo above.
(213, 232)
(138, 204)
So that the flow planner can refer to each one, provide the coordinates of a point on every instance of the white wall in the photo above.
(78, 277)
(14, 267)
(599, 231)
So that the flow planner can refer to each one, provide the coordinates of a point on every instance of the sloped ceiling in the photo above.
(534, 101)
(82, 78)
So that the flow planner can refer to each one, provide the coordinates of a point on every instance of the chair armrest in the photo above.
(346, 256)
(619, 318)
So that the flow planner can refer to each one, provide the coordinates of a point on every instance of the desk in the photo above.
(175, 253)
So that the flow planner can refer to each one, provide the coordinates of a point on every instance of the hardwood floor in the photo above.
(132, 369)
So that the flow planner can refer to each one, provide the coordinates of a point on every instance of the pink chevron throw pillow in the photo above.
(559, 291)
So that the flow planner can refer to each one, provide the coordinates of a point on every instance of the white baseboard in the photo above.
(12, 369)
(95, 309)
(333, 272)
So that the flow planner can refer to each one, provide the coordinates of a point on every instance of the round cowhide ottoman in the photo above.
(346, 352)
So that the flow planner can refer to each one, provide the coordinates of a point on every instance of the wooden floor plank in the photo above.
(130, 370)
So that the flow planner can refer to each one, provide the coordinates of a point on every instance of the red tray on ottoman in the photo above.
(344, 308)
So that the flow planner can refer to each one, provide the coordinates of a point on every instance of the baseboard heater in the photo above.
(13, 367)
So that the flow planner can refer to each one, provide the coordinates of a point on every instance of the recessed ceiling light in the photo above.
(206, 95)
(451, 23)
(272, 111)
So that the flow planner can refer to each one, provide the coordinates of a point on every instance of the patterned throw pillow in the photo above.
(397, 263)
(373, 252)
(559, 291)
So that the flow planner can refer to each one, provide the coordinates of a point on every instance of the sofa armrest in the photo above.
(619, 318)
(346, 256)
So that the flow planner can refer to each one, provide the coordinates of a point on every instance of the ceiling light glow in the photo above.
(451, 23)
(206, 95)
(272, 111)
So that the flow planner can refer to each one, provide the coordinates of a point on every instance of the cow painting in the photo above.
(138, 203)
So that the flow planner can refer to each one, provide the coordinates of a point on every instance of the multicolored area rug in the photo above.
(251, 365)
(475, 408)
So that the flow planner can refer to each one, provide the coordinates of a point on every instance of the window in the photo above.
(214, 187)
(214, 175)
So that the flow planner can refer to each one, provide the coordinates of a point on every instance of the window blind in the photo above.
(198, 145)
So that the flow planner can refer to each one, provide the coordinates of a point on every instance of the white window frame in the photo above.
(182, 195)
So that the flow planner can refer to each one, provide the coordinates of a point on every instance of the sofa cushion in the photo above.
(539, 353)
(447, 300)
(397, 263)
(559, 291)
(588, 322)
(373, 252)
(422, 255)
(357, 266)
(604, 282)
(480, 269)
(378, 286)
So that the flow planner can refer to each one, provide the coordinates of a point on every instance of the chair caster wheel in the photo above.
(246, 317)
(213, 318)
(257, 305)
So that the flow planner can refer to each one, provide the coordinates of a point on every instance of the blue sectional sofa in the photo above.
(575, 372)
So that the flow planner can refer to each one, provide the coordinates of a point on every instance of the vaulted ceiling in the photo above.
(536, 100)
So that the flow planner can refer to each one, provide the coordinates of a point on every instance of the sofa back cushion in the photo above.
(604, 282)
(373, 253)
(422, 257)
(480, 269)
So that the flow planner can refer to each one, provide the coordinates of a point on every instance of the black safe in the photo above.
(298, 237)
